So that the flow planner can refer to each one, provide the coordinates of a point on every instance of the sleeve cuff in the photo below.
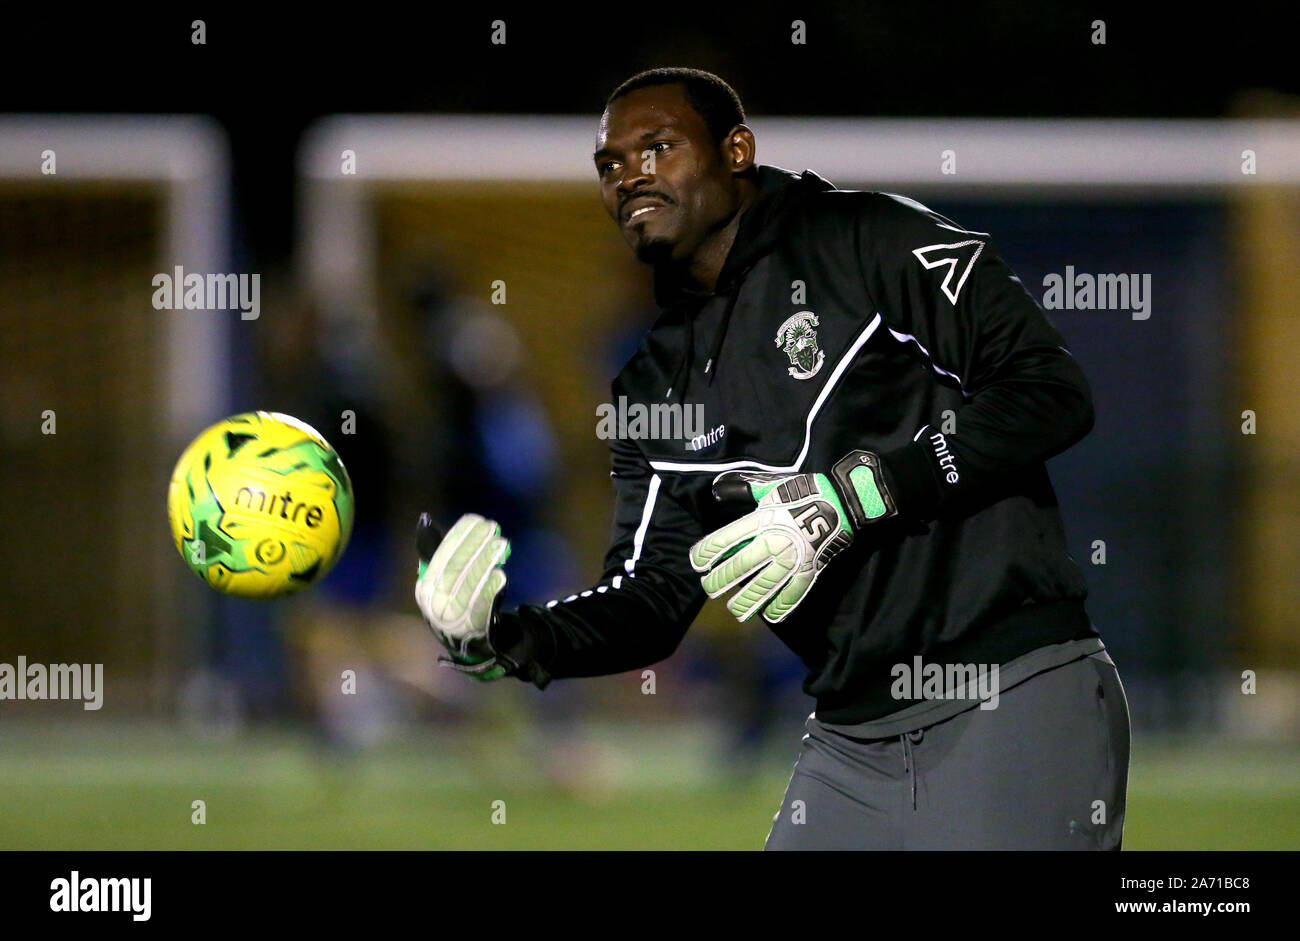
(525, 644)
(910, 477)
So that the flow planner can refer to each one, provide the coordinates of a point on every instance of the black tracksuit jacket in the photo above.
(932, 354)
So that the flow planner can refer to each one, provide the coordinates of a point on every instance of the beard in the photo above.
(653, 251)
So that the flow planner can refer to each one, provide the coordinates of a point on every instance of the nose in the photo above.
(634, 178)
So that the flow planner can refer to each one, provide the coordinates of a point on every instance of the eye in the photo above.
(658, 144)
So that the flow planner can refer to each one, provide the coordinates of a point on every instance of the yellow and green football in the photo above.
(260, 505)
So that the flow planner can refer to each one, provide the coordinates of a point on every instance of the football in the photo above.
(260, 505)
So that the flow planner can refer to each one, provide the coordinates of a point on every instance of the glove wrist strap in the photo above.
(489, 669)
(477, 656)
(515, 644)
(860, 480)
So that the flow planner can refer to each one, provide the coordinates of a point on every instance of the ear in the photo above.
(739, 149)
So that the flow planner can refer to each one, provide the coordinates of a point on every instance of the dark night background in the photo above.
(267, 75)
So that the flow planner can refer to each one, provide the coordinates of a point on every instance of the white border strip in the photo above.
(827, 387)
(906, 338)
(648, 511)
(638, 541)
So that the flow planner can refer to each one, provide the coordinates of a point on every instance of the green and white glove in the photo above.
(459, 584)
(800, 523)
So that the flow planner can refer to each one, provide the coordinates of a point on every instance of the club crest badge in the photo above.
(797, 338)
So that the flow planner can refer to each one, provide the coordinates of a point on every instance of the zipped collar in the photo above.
(761, 227)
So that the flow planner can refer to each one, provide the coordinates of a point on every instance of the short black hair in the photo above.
(715, 101)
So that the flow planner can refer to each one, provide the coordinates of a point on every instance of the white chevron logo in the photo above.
(934, 256)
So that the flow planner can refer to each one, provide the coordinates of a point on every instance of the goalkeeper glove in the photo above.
(458, 587)
(801, 522)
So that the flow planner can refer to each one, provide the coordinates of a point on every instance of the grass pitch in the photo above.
(132, 787)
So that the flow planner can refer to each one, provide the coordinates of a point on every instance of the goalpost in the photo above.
(102, 390)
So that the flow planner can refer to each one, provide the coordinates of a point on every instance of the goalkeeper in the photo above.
(881, 395)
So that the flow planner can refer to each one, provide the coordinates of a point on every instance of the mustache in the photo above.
(645, 194)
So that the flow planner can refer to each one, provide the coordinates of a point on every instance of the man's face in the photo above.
(665, 206)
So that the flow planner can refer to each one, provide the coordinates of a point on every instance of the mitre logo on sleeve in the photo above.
(797, 338)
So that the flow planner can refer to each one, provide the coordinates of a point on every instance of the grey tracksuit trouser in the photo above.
(1046, 769)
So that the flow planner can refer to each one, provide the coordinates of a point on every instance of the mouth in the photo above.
(641, 208)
